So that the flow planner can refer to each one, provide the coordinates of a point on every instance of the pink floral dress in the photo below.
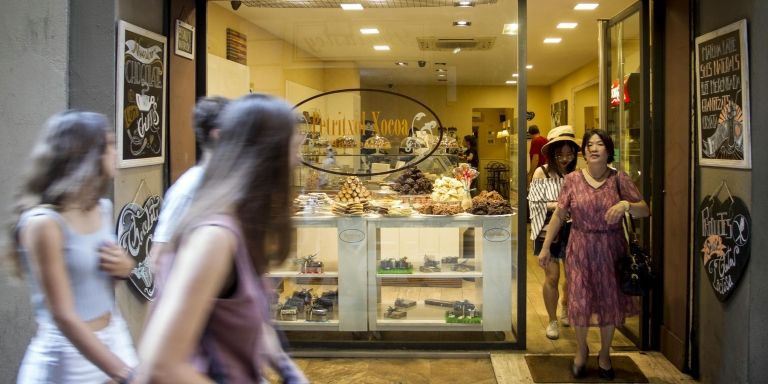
(594, 298)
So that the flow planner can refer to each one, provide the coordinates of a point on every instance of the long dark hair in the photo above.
(554, 165)
(66, 167)
(471, 140)
(248, 177)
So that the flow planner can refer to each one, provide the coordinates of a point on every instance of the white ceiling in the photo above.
(333, 35)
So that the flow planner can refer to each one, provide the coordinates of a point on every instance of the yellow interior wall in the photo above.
(270, 60)
(587, 97)
(564, 89)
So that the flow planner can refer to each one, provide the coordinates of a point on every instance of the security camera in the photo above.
(422, 63)
(235, 4)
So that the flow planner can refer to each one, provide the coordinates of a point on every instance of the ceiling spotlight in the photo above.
(351, 6)
(401, 64)
(509, 29)
(235, 4)
(511, 81)
(552, 40)
(464, 3)
(515, 75)
(456, 50)
(441, 75)
(567, 25)
(441, 70)
(381, 47)
(462, 23)
(529, 66)
(585, 6)
(369, 31)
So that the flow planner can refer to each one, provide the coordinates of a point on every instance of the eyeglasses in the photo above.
(567, 157)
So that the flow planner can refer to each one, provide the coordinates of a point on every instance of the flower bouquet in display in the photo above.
(465, 174)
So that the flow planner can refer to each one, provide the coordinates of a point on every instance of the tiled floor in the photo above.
(502, 368)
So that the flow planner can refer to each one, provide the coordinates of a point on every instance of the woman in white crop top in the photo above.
(65, 246)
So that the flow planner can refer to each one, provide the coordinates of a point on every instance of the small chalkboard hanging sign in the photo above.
(725, 241)
(135, 227)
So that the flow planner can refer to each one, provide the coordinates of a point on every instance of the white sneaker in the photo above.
(553, 331)
(564, 316)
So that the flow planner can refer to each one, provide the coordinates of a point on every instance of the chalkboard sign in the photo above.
(722, 87)
(725, 242)
(135, 227)
(141, 73)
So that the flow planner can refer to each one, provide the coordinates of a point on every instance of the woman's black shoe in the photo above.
(579, 371)
(606, 373)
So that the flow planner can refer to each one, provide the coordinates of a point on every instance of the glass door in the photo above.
(626, 107)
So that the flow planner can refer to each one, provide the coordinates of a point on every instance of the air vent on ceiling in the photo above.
(438, 44)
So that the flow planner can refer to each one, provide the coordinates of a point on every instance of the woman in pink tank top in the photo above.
(211, 321)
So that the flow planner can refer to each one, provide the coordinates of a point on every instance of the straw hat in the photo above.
(561, 133)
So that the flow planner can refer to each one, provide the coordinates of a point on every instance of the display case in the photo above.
(456, 276)
(457, 273)
(323, 283)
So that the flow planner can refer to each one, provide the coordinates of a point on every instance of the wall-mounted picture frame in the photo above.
(140, 114)
(559, 113)
(184, 43)
(722, 97)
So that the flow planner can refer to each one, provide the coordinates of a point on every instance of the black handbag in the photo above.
(635, 271)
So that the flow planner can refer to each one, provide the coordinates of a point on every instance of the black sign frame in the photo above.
(141, 96)
(722, 97)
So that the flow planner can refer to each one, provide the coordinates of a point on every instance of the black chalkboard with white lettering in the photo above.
(141, 96)
(135, 227)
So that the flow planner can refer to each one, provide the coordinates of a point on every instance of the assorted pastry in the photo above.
(377, 142)
(413, 182)
(344, 142)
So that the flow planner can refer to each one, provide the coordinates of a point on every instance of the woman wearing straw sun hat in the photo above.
(561, 150)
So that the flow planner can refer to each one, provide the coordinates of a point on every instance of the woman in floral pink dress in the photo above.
(596, 198)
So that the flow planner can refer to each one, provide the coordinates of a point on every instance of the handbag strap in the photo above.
(629, 224)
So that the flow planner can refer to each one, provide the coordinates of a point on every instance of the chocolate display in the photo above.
(392, 266)
(444, 209)
(352, 198)
(308, 264)
(344, 142)
(404, 303)
(413, 182)
(395, 313)
(377, 142)
(430, 265)
(490, 203)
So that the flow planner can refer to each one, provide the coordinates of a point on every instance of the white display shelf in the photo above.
(293, 274)
(303, 325)
(424, 325)
(436, 275)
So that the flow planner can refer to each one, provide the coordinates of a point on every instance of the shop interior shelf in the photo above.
(303, 325)
(299, 274)
(433, 275)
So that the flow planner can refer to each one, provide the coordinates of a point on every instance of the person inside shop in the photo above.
(470, 156)
(368, 132)
(561, 149)
(535, 157)
(63, 242)
(211, 318)
(179, 196)
(596, 198)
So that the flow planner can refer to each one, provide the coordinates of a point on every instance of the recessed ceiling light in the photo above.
(369, 31)
(462, 23)
(464, 3)
(529, 66)
(456, 50)
(515, 75)
(552, 40)
(381, 47)
(585, 6)
(509, 29)
(401, 63)
(567, 25)
(511, 81)
(352, 6)
(441, 70)
(441, 75)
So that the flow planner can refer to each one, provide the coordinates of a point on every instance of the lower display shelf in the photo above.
(303, 325)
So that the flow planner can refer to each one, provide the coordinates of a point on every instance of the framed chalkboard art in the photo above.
(722, 96)
(141, 70)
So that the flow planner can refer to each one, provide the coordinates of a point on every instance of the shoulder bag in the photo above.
(635, 271)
